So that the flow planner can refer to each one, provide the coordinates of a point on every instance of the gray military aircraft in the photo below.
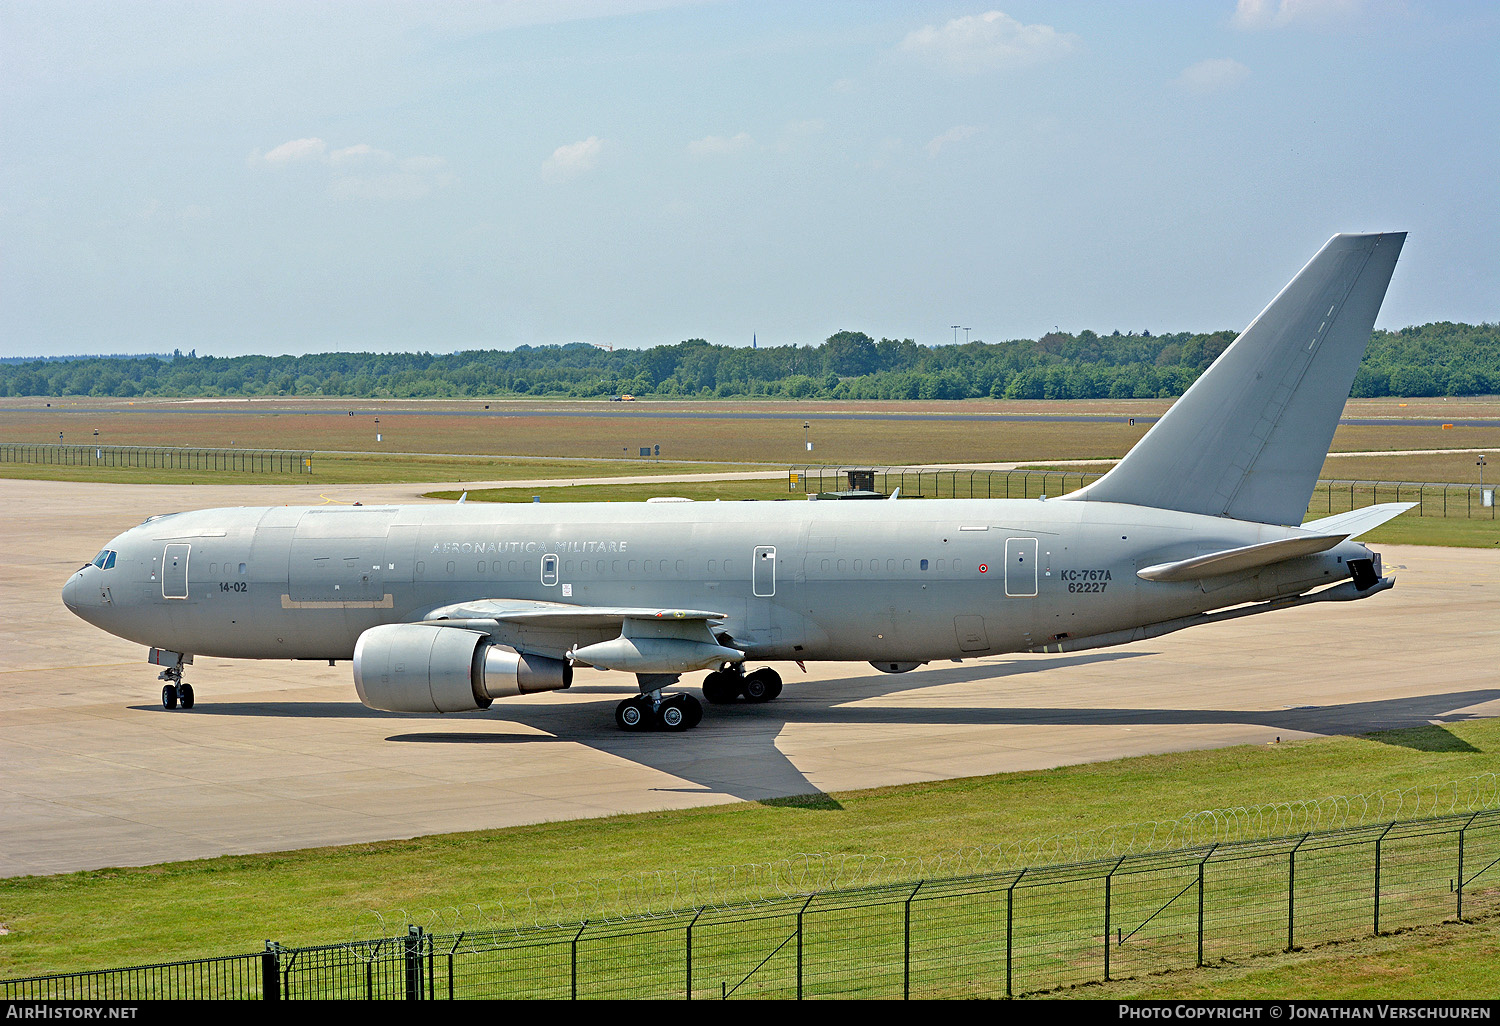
(447, 608)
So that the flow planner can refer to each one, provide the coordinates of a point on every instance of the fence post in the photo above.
(690, 953)
(1291, 890)
(799, 943)
(573, 968)
(1108, 885)
(270, 972)
(1201, 864)
(1377, 874)
(1009, 923)
(1460, 886)
(413, 960)
(906, 973)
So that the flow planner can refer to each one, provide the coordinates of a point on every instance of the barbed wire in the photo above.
(667, 892)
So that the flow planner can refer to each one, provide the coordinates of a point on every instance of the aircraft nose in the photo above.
(72, 591)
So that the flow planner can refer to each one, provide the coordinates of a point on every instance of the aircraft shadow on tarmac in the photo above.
(734, 752)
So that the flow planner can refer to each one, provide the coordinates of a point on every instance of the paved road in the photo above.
(280, 755)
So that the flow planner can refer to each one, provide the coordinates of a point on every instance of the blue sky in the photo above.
(301, 177)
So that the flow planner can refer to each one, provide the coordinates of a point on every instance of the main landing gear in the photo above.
(652, 710)
(722, 687)
(175, 692)
(656, 711)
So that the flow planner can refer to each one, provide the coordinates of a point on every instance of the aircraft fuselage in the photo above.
(907, 581)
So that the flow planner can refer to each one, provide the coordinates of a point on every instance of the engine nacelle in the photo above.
(413, 667)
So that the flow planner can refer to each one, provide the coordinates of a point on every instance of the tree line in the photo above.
(1441, 358)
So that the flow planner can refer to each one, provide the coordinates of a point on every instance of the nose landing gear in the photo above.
(175, 692)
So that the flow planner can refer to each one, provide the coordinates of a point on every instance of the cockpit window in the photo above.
(105, 560)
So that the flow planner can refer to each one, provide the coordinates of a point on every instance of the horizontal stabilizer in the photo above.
(1246, 557)
(1358, 521)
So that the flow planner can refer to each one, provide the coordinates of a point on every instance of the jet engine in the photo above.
(419, 668)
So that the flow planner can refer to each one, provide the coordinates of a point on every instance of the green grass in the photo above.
(123, 916)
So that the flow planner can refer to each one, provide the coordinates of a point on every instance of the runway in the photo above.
(279, 755)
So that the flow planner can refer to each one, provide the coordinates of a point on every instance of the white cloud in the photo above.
(1252, 15)
(361, 153)
(362, 171)
(572, 160)
(1213, 75)
(295, 151)
(958, 133)
(989, 41)
(719, 145)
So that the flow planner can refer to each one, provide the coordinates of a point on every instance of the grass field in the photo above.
(130, 916)
(227, 905)
(714, 432)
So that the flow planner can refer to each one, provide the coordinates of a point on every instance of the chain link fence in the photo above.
(247, 461)
(1329, 497)
(1009, 933)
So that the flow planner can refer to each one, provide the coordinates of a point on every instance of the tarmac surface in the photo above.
(280, 755)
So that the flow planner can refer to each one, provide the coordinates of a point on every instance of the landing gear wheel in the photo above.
(169, 696)
(185, 695)
(763, 685)
(679, 712)
(721, 687)
(632, 714)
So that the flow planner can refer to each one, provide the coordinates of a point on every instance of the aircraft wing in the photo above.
(631, 638)
(1245, 557)
(560, 615)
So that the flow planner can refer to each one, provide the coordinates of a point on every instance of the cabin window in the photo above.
(513, 568)
(682, 567)
(421, 568)
(450, 566)
(924, 566)
(713, 567)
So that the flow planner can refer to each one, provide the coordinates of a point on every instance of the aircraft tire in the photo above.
(169, 696)
(631, 715)
(185, 695)
(762, 685)
(672, 716)
(721, 688)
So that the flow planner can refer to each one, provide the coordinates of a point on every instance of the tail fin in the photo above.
(1248, 439)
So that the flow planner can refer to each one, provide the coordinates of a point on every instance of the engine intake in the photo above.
(419, 668)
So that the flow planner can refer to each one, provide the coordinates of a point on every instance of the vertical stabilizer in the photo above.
(1248, 439)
